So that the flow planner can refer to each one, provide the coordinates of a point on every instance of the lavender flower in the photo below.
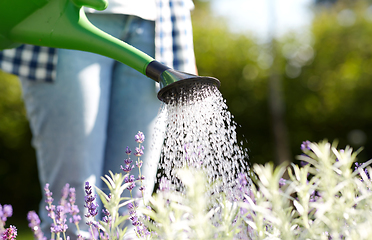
(140, 229)
(139, 151)
(128, 151)
(133, 213)
(9, 233)
(75, 220)
(141, 178)
(89, 201)
(34, 224)
(5, 212)
(128, 161)
(92, 210)
(48, 194)
(139, 163)
(74, 209)
(65, 192)
(80, 237)
(107, 217)
(60, 226)
(305, 146)
(127, 168)
(132, 207)
(134, 220)
(139, 137)
(49, 200)
(130, 180)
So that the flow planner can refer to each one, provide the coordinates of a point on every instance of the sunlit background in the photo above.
(260, 16)
(290, 71)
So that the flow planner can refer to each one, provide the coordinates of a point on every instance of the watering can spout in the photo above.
(174, 82)
(63, 24)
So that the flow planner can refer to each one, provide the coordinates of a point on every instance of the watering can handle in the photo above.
(95, 4)
(63, 24)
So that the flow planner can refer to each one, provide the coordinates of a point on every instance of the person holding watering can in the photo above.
(84, 109)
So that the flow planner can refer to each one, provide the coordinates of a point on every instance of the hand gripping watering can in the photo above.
(63, 24)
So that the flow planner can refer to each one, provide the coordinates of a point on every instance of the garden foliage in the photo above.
(328, 197)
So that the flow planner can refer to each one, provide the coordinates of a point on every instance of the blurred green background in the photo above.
(298, 87)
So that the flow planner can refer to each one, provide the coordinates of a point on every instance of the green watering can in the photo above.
(63, 24)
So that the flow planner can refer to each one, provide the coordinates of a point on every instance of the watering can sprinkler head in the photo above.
(172, 81)
(63, 24)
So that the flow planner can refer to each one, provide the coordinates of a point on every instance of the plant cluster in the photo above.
(324, 199)
(328, 197)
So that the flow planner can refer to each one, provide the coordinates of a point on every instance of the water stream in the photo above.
(201, 133)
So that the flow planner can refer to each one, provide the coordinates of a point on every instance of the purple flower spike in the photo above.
(130, 180)
(107, 217)
(65, 192)
(89, 201)
(73, 209)
(305, 146)
(75, 219)
(7, 210)
(50, 210)
(139, 137)
(60, 225)
(49, 200)
(48, 194)
(34, 224)
(9, 233)
(132, 206)
(142, 231)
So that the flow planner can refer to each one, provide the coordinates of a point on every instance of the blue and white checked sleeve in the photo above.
(173, 35)
(173, 46)
(33, 62)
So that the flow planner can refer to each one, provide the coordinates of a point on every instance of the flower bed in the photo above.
(328, 197)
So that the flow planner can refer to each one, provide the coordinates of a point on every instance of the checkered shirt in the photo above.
(173, 46)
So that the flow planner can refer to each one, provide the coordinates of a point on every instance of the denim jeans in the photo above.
(83, 122)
